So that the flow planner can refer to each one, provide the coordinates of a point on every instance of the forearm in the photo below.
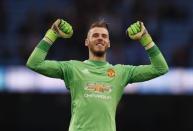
(37, 62)
(38, 55)
(157, 67)
(157, 60)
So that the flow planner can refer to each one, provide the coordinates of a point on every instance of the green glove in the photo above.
(137, 31)
(60, 28)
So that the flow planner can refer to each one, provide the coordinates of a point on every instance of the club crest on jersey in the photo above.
(111, 72)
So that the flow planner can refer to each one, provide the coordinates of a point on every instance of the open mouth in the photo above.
(100, 44)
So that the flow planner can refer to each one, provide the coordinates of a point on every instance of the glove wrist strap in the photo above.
(50, 36)
(146, 39)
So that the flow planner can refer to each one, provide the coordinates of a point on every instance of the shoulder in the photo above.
(122, 66)
(119, 66)
(75, 61)
(72, 63)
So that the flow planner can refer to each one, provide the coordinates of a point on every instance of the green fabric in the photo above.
(153, 51)
(44, 46)
(95, 87)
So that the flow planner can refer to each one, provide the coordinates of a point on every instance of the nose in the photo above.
(100, 38)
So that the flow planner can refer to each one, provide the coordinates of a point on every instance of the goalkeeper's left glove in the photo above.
(137, 31)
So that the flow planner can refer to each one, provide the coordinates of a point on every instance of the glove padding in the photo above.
(62, 28)
(137, 31)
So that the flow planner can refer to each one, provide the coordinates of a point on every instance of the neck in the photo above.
(97, 58)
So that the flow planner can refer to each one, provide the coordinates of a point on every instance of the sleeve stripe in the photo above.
(43, 45)
(153, 51)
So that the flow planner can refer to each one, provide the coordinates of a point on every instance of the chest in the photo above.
(97, 73)
(104, 80)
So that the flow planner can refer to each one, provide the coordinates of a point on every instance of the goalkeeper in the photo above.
(95, 85)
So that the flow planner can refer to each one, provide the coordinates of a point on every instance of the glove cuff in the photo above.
(146, 39)
(51, 36)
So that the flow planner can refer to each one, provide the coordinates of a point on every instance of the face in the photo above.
(98, 41)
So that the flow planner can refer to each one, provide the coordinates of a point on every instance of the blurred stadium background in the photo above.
(29, 101)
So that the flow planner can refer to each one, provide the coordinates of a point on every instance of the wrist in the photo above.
(150, 45)
(146, 39)
(50, 36)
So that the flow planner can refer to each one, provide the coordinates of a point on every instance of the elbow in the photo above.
(30, 65)
(27, 64)
(163, 71)
(166, 70)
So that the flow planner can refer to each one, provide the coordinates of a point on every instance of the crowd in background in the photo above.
(24, 23)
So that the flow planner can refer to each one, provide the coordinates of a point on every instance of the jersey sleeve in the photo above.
(50, 68)
(142, 73)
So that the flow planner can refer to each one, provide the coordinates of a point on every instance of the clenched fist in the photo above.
(60, 28)
(137, 31)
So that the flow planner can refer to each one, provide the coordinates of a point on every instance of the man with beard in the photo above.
(95, 85)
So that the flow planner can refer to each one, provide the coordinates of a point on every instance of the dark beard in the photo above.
(98, 53)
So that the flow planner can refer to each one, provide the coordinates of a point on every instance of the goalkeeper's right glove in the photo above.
(60, 28)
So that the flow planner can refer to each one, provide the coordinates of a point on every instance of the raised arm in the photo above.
(37, 61)
(158, 65)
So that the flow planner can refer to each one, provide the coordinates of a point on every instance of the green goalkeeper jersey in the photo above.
(96, 87)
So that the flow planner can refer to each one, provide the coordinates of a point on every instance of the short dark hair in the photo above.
(99, 23)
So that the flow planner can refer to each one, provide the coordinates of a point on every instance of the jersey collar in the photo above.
(97, 63)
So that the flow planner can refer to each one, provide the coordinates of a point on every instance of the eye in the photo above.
(95, 35)
(104, 35)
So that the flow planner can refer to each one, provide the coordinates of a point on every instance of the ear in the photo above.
(86, 42)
